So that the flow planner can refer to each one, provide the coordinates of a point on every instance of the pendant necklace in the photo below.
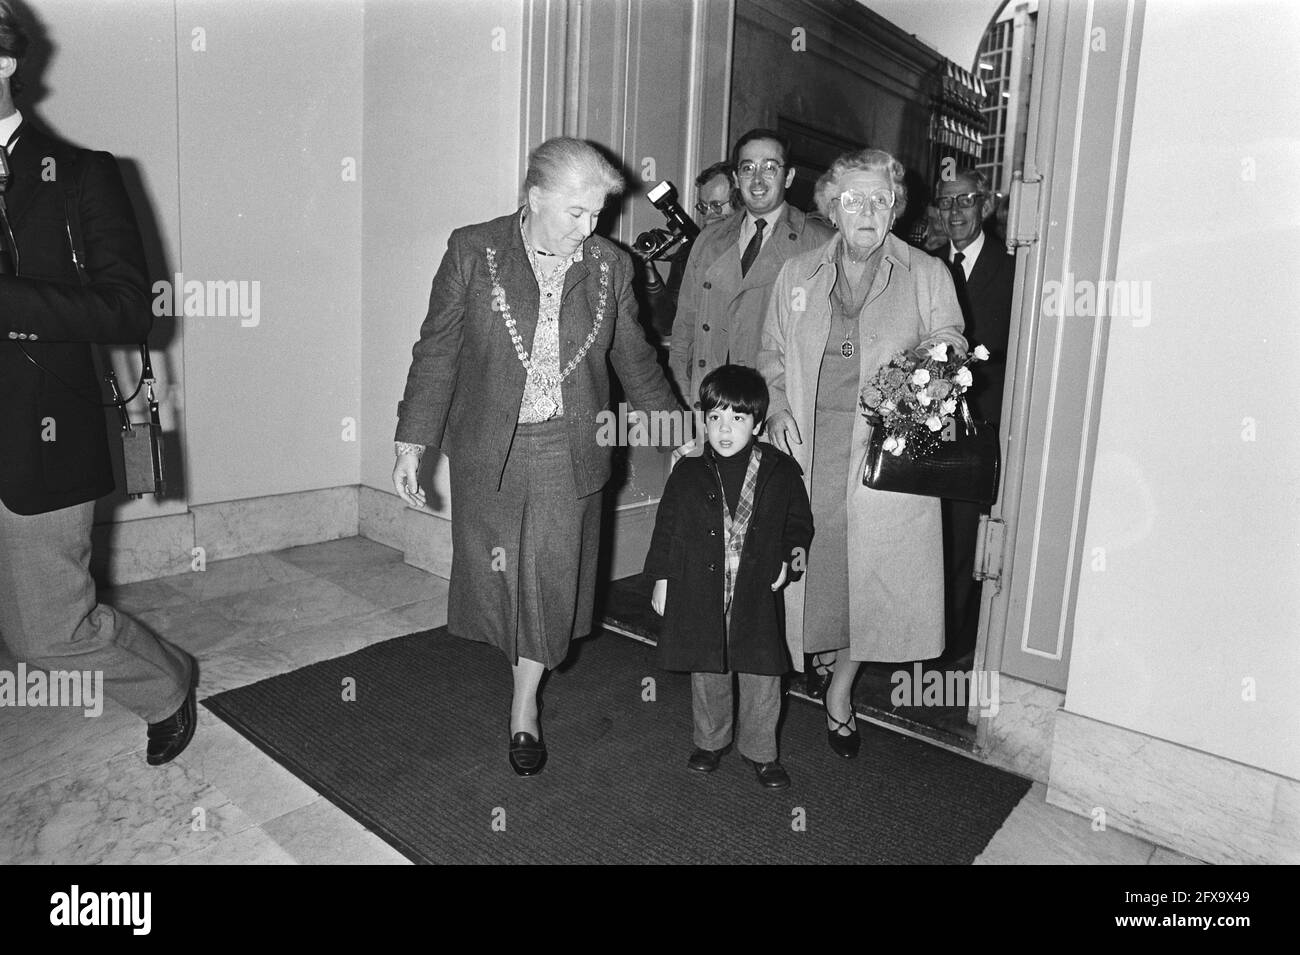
(846, 347)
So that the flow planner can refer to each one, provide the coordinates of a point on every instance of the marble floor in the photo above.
(77, 789)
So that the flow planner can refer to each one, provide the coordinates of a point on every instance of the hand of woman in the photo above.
(955, 352)
(658, 597)
(783, 432)
(406, 480)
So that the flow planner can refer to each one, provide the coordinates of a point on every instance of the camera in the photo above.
(656, 244)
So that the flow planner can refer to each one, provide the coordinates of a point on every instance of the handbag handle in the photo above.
(967, 419)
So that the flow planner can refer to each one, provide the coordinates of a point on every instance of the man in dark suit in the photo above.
(984, 274)
(78, 278)
(734, 262)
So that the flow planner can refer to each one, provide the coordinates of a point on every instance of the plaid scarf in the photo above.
(734, 529)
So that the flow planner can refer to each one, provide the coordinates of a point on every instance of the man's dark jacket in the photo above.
(687, 551)
(53, 443)
(986, 305)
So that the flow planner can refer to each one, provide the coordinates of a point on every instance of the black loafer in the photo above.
(706, 760)
(770, 775)
(168, 738)
(527, 754)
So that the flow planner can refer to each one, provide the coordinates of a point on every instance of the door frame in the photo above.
(1064, 223)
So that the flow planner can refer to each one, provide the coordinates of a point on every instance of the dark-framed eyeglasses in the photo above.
(963, 201)
(716, 206)
(769, 168)
(880, 200)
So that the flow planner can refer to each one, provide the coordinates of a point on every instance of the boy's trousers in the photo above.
(760, 708)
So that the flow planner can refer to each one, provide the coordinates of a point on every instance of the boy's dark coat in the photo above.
(687, 551)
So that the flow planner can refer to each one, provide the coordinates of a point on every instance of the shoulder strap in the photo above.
(72, 224)
(77, 245)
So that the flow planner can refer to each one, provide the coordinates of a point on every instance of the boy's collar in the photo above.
(708, 449)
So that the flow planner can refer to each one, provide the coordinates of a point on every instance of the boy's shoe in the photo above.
(770, 775)
(706, 760)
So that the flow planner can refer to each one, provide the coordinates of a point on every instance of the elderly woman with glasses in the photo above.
(874, 587)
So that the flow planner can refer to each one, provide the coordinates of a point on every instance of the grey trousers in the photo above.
(49, 617)
(760, 708)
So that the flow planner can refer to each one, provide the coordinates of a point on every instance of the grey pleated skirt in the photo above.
(523, 570)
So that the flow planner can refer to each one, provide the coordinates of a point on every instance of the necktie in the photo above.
(959, 273)
(751, 250)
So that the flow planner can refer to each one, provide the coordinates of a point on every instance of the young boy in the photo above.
(733, 526)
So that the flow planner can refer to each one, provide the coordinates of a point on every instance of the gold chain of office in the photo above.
(500, 304)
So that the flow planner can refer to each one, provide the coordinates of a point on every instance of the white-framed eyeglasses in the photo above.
(716, 206)
(769, 168)
(851, 200)
(963, 201)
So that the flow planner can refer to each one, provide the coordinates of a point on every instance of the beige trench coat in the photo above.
(896, 586)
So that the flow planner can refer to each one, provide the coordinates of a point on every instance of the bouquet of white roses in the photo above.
(916, 393)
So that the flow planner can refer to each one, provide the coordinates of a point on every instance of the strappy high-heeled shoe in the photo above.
(844, 746)
(818, 677)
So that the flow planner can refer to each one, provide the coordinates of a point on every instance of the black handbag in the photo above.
(963, 465)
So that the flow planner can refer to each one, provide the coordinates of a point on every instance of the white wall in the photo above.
(236, 148)
(240, 149)
(1199, 527)
(267, 116)
(442, 103)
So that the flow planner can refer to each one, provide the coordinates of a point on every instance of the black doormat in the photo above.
(418, 756)
(877, 692)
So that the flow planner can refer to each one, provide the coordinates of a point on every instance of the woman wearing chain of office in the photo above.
(526, 313)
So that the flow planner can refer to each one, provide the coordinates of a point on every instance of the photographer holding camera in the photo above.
(65, 217)
(714, 202)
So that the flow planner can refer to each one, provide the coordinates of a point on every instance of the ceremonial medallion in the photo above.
(546, 406)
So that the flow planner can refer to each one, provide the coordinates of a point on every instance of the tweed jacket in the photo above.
(466, 382)
(718, 311)
(48, 311)
(895, 541)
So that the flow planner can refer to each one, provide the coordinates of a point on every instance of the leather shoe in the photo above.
(770, 775)
(845, 746)
(527, 754)
(706, 760)
(168, 738)
(817, 677)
